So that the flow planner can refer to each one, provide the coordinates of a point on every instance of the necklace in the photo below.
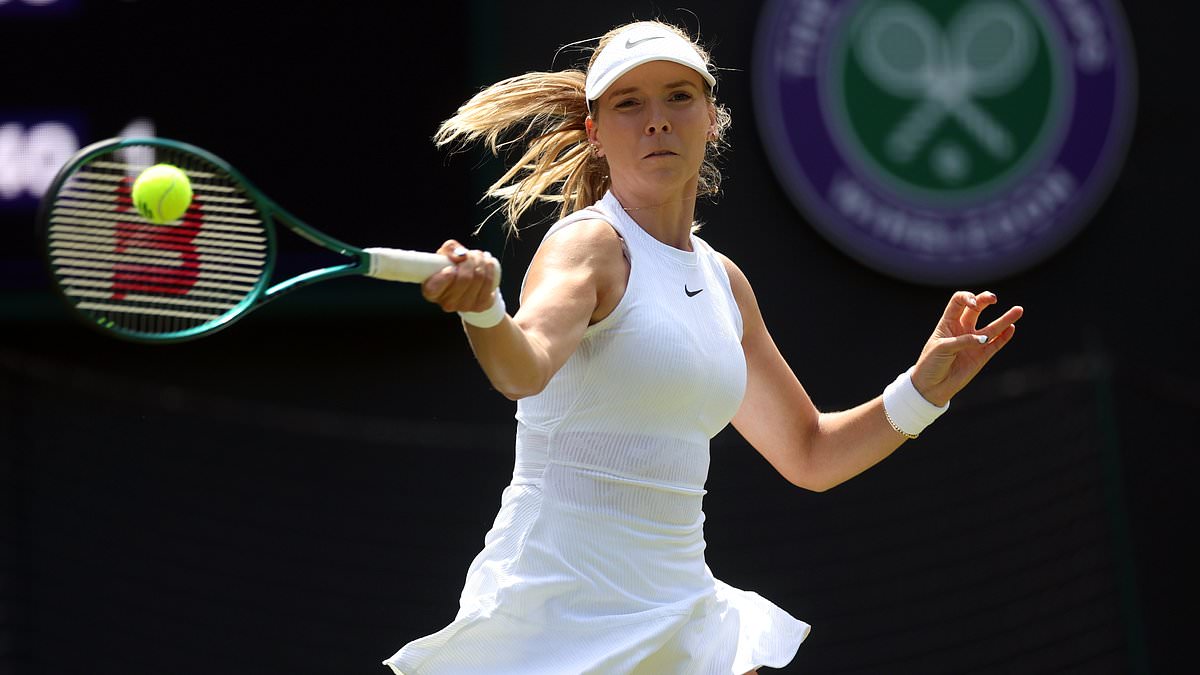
(628, 209)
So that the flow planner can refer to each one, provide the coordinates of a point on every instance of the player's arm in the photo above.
(811, 449)
(576, 278)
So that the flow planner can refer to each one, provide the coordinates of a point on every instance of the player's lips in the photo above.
(660, 153)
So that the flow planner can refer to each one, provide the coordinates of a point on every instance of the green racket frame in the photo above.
(391, 264)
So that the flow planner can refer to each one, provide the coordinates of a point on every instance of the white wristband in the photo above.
(488, 317)
(906, 409)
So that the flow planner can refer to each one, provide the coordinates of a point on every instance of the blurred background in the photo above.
(303, 491)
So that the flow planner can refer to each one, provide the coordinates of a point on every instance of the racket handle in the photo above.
(394, 264)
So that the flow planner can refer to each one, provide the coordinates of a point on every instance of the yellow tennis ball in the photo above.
(162, 193)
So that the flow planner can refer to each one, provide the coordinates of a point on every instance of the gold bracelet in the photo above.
(897, 426)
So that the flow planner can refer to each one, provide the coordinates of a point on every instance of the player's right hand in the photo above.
(465, 286)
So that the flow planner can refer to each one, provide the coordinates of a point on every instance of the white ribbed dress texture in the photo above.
(595, 562)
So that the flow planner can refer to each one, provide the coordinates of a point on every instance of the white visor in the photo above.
(638, 44)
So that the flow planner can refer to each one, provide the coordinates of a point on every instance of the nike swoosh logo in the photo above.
(690, 293)
(630, 44)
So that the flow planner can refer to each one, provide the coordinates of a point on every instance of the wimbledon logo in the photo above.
(945, 142)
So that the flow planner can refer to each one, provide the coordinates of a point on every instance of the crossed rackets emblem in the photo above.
(986, 50)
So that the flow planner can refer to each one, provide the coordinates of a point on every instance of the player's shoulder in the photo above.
(731, 267)
(738, 282)
(585, 251)
(592, 235)
(587, 224)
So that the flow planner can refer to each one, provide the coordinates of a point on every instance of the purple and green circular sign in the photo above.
(945, 142)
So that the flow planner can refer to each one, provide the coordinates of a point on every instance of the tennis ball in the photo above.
(162, 193)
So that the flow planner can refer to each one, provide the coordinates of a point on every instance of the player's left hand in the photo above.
(954, 354)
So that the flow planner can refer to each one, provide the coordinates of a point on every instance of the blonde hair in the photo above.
(541, 115)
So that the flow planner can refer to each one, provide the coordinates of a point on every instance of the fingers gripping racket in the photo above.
(191, 277)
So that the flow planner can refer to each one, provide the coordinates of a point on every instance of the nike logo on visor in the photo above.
(630, 44)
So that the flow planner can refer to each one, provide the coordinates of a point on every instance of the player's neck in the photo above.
(668, 219)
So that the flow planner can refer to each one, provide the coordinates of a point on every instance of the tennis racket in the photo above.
(185, 279)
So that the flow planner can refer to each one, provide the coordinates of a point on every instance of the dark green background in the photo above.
(1024, 112)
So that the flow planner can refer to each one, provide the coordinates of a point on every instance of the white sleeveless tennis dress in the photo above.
(595, 563)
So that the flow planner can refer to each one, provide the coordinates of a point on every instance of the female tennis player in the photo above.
(636, 343)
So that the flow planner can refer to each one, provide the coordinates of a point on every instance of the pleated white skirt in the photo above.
(589, 572)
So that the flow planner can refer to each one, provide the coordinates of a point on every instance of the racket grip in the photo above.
(394, 264)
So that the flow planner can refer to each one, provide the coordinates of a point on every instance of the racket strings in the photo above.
(155, 279)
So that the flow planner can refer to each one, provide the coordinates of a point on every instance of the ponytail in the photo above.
(545, 112)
